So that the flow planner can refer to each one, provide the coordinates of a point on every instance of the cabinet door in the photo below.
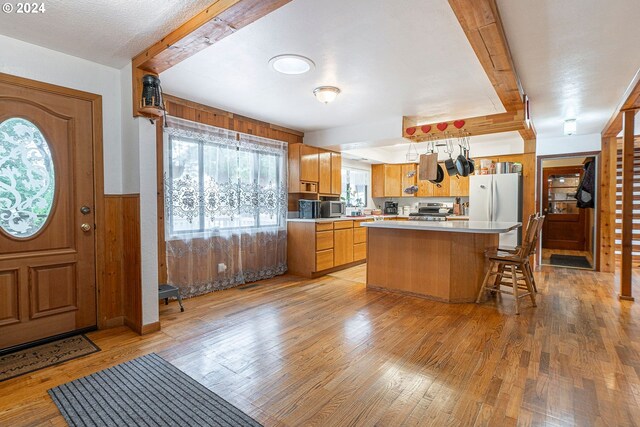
(342, 246)
(377, 180)
(324, 167)
(459, 187)
(443, 190)
(406, 180)
(308, 163)
(392, 180)
(359, 251)
(425, 189)
(336, 173)
(359, 235)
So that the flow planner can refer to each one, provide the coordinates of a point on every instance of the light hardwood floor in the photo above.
(327, 352)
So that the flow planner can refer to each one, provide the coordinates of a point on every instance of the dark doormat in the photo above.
(576, 261)
(42, 356)
(144, 391)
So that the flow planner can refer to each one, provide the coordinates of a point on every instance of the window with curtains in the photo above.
(222, 183)
(355, 187)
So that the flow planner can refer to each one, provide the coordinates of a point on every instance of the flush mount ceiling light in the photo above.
(291, 64)
(326, 94)
(570, 127)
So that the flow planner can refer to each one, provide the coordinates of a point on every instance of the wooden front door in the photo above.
(47, 236)
(565, 224)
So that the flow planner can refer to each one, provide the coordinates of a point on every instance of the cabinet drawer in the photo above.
(324, 240)
(359, 235)
(359, 251)
(359, 222)
(324, 226)
(324, 260)
(339, 225)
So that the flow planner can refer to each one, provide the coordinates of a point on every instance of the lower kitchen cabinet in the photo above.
(316, 247)
(343, 246)
(359, 251)
(359, 235)
(324, 260)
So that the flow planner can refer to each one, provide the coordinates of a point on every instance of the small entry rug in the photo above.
(147, 391)
(42, 356)
(570, 261)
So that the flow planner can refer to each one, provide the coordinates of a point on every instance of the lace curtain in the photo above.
(225, 207)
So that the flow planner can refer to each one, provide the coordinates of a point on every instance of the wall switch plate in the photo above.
(222, 267)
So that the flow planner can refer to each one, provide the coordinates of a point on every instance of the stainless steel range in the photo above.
(432, 212)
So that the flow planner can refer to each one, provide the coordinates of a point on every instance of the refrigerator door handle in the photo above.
(494, 201)
(491, 201)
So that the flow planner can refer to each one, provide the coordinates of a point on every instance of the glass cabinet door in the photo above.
(562, 192)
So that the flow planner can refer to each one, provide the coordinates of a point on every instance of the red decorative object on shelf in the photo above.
(425, 128)
(458, 124)
(442, 126)
(411, 130)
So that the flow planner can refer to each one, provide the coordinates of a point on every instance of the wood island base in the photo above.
(439, 265)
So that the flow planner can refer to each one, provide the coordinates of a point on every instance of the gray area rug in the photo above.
(147, 391)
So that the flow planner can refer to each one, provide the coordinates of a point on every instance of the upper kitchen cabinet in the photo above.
(409, 172)
(459, 186)
(336, 173)
(309, 163)
(324, 186)
(313, 170)
(386, 180)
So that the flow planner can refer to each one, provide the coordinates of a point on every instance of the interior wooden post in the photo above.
(627, 205)
(607, 205)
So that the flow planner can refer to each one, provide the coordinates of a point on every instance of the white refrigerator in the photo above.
(497, 198)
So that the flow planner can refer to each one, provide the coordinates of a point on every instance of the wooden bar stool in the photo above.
(512, 268)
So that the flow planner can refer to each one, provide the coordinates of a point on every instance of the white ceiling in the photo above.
(575, 58)
(109, 32)
(389, 58)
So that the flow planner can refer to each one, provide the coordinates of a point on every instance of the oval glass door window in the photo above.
(27, 178)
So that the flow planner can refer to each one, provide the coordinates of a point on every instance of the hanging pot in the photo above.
(439, 176)
(462, 164)
(449, 164)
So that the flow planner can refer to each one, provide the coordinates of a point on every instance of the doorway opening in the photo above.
(568, 198)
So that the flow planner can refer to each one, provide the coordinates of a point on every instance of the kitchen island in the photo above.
(443, 261)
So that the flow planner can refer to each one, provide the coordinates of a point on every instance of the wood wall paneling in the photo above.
(122, 274)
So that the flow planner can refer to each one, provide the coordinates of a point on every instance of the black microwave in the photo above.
(309, 209)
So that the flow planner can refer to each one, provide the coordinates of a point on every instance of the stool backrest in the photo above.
(530, 237)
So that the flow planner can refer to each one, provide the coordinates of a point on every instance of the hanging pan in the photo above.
(462, 164)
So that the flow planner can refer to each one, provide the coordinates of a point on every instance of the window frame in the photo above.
(346, 182)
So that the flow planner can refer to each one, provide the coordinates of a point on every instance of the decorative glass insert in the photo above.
(27, 178)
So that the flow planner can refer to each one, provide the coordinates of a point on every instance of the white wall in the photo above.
(38, 63)
(568, 144)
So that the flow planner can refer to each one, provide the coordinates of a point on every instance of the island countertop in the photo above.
(476, 227)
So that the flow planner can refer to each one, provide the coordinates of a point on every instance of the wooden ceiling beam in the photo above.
(481, 23)
(220, 19)
(417, 128)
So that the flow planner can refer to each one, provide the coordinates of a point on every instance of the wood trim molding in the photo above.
(480, 20)
(630, 101)
(607, 206)
(220, 19)
(628, 154)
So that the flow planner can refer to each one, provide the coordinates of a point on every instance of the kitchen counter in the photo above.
(346, 218)
(478, 227)
(442, 261)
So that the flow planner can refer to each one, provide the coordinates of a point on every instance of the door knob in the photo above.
(85, 210)
(85, 227)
